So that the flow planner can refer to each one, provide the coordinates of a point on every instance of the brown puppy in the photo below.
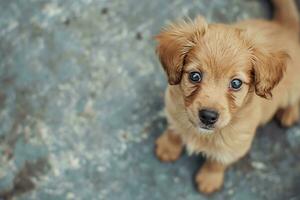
(225, 81)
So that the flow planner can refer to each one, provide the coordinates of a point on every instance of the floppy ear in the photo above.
(174, 42)
(268, 70)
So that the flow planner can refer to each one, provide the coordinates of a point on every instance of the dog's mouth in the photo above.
(203, 128)
(206, 129)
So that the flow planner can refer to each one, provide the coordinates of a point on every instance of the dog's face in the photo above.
(214, 84)
(217, 68)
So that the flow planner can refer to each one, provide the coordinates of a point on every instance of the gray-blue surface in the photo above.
(81, 103)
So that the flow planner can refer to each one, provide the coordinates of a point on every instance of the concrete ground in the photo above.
(81, 105)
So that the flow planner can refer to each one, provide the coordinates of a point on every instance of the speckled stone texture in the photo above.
(81, 103)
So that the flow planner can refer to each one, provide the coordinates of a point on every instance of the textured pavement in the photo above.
(81, 103)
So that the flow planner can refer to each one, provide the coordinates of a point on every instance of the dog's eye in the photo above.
(236, 84)
(195, 77)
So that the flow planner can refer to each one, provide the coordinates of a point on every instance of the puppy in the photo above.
(224, 82)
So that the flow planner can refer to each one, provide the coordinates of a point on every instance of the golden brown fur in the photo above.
(263, 54)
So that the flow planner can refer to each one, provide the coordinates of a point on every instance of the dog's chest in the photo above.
(212, 149)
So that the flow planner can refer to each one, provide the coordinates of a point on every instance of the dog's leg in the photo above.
(286, 13)
(289, 116)
(210, 177)
(169, 146)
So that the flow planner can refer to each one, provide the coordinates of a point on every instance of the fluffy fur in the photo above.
(263, 54)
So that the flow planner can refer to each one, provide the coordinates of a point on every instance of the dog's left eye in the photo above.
(236, 84)
(195, 77)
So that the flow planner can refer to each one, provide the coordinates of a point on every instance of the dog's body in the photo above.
(264, 55)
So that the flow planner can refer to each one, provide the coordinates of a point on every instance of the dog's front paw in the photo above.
(168, 146)
(209, 181)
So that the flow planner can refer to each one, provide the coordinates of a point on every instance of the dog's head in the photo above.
(218, 69)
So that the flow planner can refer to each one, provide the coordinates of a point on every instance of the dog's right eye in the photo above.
(195, 77)
(236, 84)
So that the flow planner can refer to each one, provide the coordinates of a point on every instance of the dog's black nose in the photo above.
(208, 117)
